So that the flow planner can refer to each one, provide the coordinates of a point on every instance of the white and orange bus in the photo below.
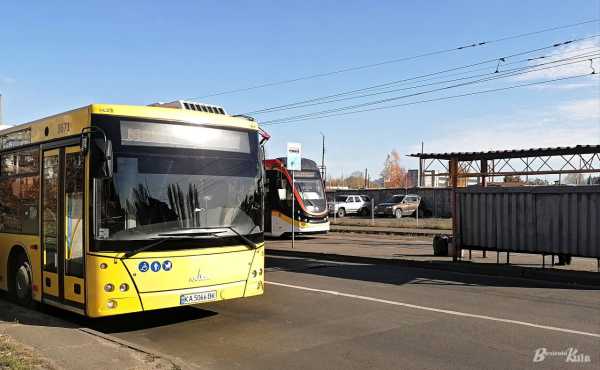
(307, 191)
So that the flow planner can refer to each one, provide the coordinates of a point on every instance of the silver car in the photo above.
(350, 204)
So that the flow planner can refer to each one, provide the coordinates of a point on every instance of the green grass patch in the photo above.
(15, 357)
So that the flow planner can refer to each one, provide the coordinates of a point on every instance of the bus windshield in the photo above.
(157, 189)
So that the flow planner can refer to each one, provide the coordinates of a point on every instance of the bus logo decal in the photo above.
(155, 266)
(143, 266)
(198, 277)
(167, 265)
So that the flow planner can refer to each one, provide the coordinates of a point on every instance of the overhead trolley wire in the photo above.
(355, 106)
(439, 99)
(495, 74)
(437, 73)
(334, 112)
(397, 60)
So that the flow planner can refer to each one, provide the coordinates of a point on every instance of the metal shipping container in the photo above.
(550, 220)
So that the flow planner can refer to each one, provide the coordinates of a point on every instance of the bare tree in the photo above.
(394, 175)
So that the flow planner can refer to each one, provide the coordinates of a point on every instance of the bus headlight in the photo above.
(111, 304)
(109, 288)
(123, 287)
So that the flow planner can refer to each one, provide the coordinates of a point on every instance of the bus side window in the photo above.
(50, 212)
(28, 169)
(19, 187)
(74, 214)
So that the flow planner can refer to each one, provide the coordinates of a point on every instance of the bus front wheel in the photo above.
(21, 282)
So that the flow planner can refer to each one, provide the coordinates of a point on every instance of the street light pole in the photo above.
(1, 118)
(323, 159)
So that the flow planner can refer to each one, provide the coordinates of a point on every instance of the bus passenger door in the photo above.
(270, 197)
(62, 228)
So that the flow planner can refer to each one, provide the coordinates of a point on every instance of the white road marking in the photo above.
(439, 310)
(320, 261)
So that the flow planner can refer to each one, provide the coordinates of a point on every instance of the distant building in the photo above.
(429, 179)
(332, 188)
(412, 178)
(379, 182)
(441, 182)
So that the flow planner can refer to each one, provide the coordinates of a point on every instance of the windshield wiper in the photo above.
(245, 239)
(191, 235)
(165, 238)
(242, 237)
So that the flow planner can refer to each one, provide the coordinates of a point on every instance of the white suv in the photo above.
(350, 204)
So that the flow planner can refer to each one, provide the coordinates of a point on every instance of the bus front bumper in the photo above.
(184, 297)
(181, 297)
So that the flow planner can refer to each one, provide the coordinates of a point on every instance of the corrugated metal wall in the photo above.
(530, 219)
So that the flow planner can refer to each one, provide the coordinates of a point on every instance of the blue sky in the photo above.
(55, 56)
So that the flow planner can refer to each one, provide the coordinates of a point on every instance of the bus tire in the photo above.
(20, 287)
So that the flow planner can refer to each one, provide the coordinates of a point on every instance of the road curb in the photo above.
(582, 279)
(333, 229)
(176, 362)
(54, 320)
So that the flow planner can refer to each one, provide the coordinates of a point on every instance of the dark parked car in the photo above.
(399, 206)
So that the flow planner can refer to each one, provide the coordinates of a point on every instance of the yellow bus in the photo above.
(112, 209)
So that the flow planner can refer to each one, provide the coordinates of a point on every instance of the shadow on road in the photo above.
(411, 272)
(43, 315)
(146, 320)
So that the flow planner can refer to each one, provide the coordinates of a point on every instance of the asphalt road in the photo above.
(332, 315)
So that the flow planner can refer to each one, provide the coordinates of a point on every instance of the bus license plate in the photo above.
(197, 297)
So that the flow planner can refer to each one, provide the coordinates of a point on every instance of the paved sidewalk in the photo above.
(417, 251)
(63, 345)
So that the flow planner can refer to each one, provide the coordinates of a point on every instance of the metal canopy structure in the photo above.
(485, 165)
(458, 167)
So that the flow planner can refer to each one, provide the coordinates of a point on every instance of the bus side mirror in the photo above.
(102, 167)
(84, 143)
(107, 161)
(281, 193)
(102, 152)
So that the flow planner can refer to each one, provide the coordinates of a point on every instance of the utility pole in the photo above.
(366, 178)
(1, 118)
(323, 174)
(420, 179)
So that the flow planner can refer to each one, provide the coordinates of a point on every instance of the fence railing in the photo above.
(435, 201)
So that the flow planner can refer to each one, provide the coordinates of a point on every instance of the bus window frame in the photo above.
(14, 150)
